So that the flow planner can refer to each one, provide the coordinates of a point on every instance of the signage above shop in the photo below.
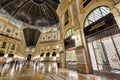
(99, 25)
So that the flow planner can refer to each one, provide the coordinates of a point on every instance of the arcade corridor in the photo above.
(41, 71)
(59, 39)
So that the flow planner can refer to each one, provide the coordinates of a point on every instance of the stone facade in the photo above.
(12, 35)
(77, 14)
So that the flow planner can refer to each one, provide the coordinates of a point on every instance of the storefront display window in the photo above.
(103, 40)
(103, 55)
(71, 57)
(92, 55)
(111, 54)
(116, 39)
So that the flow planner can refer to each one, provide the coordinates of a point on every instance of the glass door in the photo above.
(116, 39)
(104, 54)
(98, 56)
(111, 52)
(93, 57)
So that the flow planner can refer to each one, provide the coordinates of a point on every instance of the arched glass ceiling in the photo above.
(40, 13)
(96, 14)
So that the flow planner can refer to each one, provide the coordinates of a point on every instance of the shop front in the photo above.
(103, 42)
(69, 43)
(71, 60)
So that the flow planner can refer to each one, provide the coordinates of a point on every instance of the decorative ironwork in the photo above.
(39, 13)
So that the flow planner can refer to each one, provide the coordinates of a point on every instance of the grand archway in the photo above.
(102, 36)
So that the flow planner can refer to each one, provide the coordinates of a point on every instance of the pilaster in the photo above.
(83, 65)
(116, 13)
(62, 59)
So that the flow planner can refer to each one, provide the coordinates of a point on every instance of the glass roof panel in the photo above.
(96, 15)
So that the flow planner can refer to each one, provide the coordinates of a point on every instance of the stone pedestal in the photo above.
(83, 62)
(84, 68)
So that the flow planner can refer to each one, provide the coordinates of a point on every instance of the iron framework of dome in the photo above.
(39, 13)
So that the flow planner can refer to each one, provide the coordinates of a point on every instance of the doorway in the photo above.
(71, 60)
(105, 54)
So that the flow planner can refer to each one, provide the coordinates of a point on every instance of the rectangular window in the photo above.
(66, 16)
(13, 47)
(86, 2)
(4, 44)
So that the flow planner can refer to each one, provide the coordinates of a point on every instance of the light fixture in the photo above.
(57, 46)
(15, 56)
(6, 55)
(57, 55)
(73, 37)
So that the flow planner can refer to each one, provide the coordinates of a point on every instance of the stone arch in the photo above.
(82, 17)
(47, 54)
(93, 6)
(87, 13)
(10, 55)
(54, 54)
(42, 54)
(88, 10)
(29, 56)
(101, 14)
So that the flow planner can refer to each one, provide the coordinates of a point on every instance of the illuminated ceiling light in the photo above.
(57, 46)
(6, 55)
(57, 55)
(73, 37)
(15, 56)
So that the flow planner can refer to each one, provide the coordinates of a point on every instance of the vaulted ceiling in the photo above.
(38, 13)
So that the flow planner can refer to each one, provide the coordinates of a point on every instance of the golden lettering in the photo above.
(97, 26)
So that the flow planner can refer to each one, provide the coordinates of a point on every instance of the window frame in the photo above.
(93, 15)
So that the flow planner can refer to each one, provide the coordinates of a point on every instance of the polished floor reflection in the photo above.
(41, 71)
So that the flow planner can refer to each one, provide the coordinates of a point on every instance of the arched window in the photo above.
(4, 44)
(96, 14)
(10, 55)
(42, 54)
(29, 57)
(54, 54)
(48, 54)
(69, 33)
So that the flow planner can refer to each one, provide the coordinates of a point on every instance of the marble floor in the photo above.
(42, 71)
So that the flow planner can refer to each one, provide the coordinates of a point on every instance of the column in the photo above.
(62, 52)
(116, 14)
(83, 62)
(83, 65)
(62, 59)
